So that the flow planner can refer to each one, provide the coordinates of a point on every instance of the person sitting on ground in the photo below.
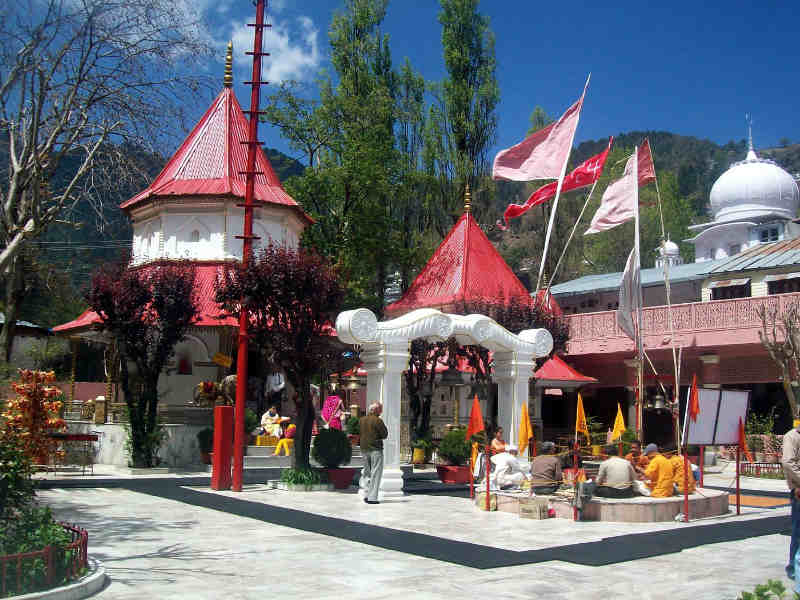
(638, 460)
(507, 470)
(546, 470)
(616, 476)
(270, 422)
(659, 472)
(677, 468)
(286, 443)
(498, 443)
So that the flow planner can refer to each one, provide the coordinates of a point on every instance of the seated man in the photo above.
(659, 472)
(507, 472)
(637, 459)
(270, 422)
(677, 467)
(546, 470)
(615, 477)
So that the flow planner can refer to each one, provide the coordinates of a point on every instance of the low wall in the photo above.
(640, 509)
(179, 449)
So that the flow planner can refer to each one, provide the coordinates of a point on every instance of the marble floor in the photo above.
(172, 540)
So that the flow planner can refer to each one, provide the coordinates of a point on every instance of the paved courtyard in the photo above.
(175, 538)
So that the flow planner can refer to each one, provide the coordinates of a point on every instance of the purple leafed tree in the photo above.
(147, 311)
(292, 298)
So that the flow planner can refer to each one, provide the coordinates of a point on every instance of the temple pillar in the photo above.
(512, 372)
(535, 411)
(709, 371)
(385, 364)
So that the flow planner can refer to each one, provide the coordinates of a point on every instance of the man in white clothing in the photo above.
(507, 469)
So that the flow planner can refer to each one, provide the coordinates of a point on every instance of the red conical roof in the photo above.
(556, 373)
(466, 267)
(211, 158)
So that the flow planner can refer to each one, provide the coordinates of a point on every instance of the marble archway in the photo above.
(385, 354)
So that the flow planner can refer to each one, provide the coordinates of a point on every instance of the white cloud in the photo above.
(293, 46)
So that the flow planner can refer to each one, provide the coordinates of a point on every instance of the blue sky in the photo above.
(693, 68)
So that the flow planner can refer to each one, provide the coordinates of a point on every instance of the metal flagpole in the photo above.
(639, 337)
(558, 191)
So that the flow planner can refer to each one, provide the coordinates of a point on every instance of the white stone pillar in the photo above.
(512, 371)
(385, 364)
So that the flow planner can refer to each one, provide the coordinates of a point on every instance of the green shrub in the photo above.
(205, 439)
(16, 485)
(772, 590)
(332, 448)
(32, 530)
(301, 476)
(353, 426)
(251, 421)
(454, 448)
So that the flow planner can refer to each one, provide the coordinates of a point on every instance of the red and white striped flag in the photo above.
(583, 175)
(542, 154)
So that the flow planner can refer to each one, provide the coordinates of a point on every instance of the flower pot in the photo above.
(419, 456)
(341, 478)
(206, 457)
(453, 474)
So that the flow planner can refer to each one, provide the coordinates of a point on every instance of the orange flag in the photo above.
(580, 419)
(694, 401)
(525, 430)
(475, 418)
(743, 441)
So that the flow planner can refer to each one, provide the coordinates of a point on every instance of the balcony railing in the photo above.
(694, 317)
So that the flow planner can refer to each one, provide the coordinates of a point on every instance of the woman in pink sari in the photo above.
(332, 412)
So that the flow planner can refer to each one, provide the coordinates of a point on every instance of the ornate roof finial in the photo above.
(228, 79)
(467, 200)
(751, 152)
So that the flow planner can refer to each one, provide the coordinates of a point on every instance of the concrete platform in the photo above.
(703, 503)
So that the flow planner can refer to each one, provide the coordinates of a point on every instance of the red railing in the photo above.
(18, 572)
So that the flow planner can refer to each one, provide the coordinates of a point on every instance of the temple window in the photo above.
(734, 249)
(730, 289)
(769, 234)
(783, 284)
(194, 236)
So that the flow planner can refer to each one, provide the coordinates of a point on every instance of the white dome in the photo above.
(754, 187)
(669, 248)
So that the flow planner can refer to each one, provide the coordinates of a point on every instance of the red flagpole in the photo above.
(488, 472)
(247, 248)
(685, 485)
(702, 459)
(738, 460)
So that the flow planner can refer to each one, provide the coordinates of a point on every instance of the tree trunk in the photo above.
(305, 424)
(790, 397)
(15, 292)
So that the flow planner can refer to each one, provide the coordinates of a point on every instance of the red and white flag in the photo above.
(585, 174)
(617, 204)
(542, 154)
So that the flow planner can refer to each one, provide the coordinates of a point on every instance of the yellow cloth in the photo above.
(580, 419)
(661, 475)
(677, 467)
(473, 457)
(286, 445)
(619, 424)
(525, 430)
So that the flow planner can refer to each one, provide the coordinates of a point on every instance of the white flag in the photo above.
(629, 296)
(618, 202)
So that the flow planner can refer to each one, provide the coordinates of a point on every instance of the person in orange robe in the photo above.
(677, 467)
(659, 472)
(637, 459)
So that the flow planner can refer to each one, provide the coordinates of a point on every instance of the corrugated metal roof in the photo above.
(650, 277)
(24, 323)
(211, 160)
(764, 256)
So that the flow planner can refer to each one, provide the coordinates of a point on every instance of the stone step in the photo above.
(269, 450)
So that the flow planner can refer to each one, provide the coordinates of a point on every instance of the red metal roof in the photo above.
(208, 312)
(556, 370)
(211, 158)
(466, 267)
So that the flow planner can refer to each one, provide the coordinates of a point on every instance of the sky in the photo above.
(692, 68)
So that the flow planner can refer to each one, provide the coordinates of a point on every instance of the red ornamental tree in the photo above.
(147, 310)
(292, 298)
(33, 414)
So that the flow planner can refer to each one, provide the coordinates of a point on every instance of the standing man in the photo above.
(373, 432)
(791, 469)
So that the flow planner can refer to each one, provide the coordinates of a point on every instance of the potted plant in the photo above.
(353, 427)
(205, 440)
(250, 423)
(756, 443)
(332, 449)
(596, 434)
(454, 451)
(773, 447)
(422, 450)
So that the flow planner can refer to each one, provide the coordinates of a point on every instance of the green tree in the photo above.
(539, 119)
(464, 113)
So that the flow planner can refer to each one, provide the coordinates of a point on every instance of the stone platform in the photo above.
(639, 509)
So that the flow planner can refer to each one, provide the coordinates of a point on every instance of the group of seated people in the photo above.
(647, 473)
(273, 425)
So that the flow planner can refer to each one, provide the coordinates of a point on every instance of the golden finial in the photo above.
(228, 79)
(467, 200)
